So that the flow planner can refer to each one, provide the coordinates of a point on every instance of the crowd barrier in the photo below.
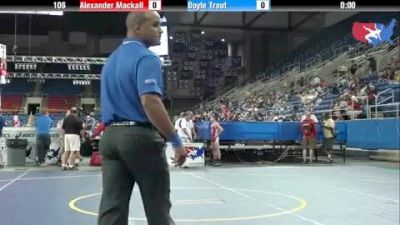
(374, 134)
(370, 134)
(365, 134)
(264, 131)
(28, 134)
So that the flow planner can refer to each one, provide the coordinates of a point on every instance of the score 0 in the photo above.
(155, 5)
(263, 5)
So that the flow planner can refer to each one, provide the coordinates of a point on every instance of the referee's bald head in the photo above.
(135, 18)
(145, 26)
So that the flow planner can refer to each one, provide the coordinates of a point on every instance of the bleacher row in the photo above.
(325, 46)
(327, 42)
(56, 103)
(57, 95)
(321, 56)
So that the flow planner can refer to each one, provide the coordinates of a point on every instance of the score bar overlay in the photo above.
(228, 5)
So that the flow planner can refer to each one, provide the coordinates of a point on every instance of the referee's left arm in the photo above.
(150, 85)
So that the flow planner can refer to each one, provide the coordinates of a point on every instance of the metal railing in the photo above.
(396, 110)
(388, 98)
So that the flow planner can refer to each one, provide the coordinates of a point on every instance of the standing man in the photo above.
(132, 145)
(43, 124)
(2, 125)
(182, 127)
(309, 131)
(90, 124)
(73, 133)
(216, 130)
(329, 135)
(191, 127)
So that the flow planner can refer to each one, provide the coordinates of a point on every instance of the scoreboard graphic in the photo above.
(201, 5)
(192, 5)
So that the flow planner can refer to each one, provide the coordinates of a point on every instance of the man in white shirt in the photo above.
(181, 126)
(191, 128)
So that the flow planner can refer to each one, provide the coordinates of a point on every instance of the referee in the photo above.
(132, 145)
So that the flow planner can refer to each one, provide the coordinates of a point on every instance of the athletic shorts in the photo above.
(72, 143)
(215, 141)
(309, 143)
(327, 143)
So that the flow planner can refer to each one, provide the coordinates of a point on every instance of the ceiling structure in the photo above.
(113, 23)
(232, 25)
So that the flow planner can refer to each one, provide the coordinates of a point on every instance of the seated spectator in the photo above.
(372, 64)
(397, 76)
(363, 91)
(371, 92)
(337, 115)
(354, 108)
(353, 68)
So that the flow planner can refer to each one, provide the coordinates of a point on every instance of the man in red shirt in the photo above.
(309, 131)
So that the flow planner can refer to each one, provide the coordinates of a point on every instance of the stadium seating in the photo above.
(60, 103)
(12, 103)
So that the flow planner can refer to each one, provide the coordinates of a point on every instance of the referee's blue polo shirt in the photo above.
(131, 71)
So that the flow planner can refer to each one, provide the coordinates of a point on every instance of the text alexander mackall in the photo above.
(111, 5)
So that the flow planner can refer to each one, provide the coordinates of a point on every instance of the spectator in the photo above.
(181, 126)
(223, 109)
(312, 116)
(355, 107)
(353, 68)
(73, 130)
(2, 124)
(329, 136)
(372, 64)
(100, 128)
(216, 130)
(16, 121)
(371, 92)
(191, 127)
(309, 132)
(43, 124)
(337, 115)
(90, 124)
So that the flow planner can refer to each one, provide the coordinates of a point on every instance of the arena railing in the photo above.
(396, 111)
(382, 102)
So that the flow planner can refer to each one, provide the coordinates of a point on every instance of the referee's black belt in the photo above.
(131, 123)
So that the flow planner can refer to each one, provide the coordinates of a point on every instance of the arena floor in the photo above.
(358, 192)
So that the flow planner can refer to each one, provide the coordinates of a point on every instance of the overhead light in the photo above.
(51, 13)
(81, 82)
(223, 39)
(202, 32)
(171, 38)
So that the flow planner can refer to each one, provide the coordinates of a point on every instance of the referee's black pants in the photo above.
(43, 146)
(133, 154)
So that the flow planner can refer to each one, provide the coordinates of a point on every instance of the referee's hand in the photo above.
(180, 156)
